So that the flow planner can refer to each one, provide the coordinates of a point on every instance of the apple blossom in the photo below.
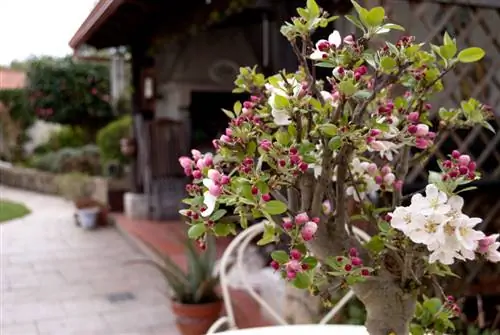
(322, 46)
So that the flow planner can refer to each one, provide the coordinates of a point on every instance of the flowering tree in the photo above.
(304, 149)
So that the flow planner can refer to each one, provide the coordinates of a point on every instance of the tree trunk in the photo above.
(389, 309)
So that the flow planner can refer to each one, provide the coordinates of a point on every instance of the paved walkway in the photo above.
(59, 279)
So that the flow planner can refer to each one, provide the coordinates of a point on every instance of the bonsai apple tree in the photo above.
(311, 155)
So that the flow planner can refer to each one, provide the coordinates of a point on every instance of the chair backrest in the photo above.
(240, 245)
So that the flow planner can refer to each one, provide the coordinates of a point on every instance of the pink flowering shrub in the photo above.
(303, 149)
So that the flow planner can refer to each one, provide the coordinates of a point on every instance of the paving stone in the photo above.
(87, 324)
(19, 329)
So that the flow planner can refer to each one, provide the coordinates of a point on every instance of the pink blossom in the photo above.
(389, 178)
(214, 175)
(464, 160)
(295, 254)
(185, 162)
(188, 171)
(293, 265)
(421, 143)
(301, 218)
(349, 39)
(215, 190)
(197, 174)
(455, 154)
(287, 223)
(488, 247)
(386, 169)
(196, 154)
(356, 261)
(225, 139)
(225, 180)
(291, 275)
(413, 117)
(353, 252)
(422, 130)
(275, 265)
(208, 159)
(372, 169)
(229, 132)
(308, 230)
(265, 145)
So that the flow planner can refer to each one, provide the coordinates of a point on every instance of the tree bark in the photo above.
(301, 307)
(389, 309)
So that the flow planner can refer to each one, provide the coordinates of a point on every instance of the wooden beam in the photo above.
(474, 3)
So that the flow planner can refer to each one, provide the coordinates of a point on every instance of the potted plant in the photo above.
(194, 299)
(79, 188)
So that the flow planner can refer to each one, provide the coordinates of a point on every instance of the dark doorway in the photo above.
(208, 121)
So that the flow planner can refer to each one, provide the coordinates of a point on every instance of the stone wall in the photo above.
(45, 182)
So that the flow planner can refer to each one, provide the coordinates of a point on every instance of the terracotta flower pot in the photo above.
(196, 319)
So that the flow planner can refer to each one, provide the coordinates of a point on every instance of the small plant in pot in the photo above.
(195, 301)
(79, 188)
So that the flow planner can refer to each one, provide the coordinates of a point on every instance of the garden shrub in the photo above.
(84, 160)
(108, 139)
(66, 137)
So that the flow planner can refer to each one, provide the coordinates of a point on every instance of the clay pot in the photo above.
(196, 319)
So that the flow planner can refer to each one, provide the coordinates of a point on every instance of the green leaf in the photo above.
(302, 281)
(197, 230)
(283, 137)
(224, 229)
(310, 261)
(329, 129)
(335, 143)
(280, 256)
(448, 51)
(275, 207)
(362, 13)
(375, 16)
(384, 226)
(325, 64)
(269, 235)
(434, 177)
(251, 147)
(432, 305)
(393, 26)
(355, 21)
(447, 39)
(237, 107)
(363, 94)
(347, 88)
(313, 8)
(262, 186)
(281, 102)
(416, 329)
(471, 55)
(375, 245)
(387, 63)
(218, 214)
(228, 113)
(488, 126)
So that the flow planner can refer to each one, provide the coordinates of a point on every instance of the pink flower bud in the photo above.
(431, 135)
(463, 170)
(248, 104)
(196, 154)
(291, 275)
(421, 143)
(472, 166)
(275, 265)
(386, 169)
(353, 252)
(413, 117)
(215, 190)
(455, 154)
(265, 145)
(348, 267)
(224, 180)
(427, 106)
(197, 174)
(365, 272)
(412, 129)
(323, 46)
(378, 146)
(349, 39)
(301, 218)
(398, 185)
(372, 169)
(266, 197)
(356, 261)
(422, 130)
(485, 243)
(229, 132)
(188, 171)
(293, 265)
(447, 164)
(464, 160)
(295, 254)
(208, 160)
(389, 178)
(308, 230)
(225, 139)
(375, 132)
(379, 180)
(214, 175)
(216, 145)
(303, 166)
(287, 224)
(185, 162)
(294, 159)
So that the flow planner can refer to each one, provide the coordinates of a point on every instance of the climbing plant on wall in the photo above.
(70, 92)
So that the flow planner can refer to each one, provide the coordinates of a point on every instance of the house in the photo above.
(185, 55)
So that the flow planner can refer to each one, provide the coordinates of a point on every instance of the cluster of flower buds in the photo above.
(198, 162)
(340, 73)
(386, 109)
(308, 226)
(405, 41)
(293, 266)
(423, 136)
(249, 105)
(246, 165)
(459, 166)
(353, 262)
(451, 305)
(385, 177)
(292, 162)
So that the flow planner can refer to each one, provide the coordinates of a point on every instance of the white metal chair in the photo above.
(240, 244)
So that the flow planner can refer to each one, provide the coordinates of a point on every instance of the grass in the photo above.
(10, 210)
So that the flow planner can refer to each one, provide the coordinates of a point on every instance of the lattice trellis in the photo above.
(472, 26)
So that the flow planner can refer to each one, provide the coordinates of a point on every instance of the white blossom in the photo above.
(334, 39)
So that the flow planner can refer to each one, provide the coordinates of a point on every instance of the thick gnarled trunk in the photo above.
(389, 309)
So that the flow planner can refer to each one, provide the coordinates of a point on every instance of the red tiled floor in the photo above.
(168, 238)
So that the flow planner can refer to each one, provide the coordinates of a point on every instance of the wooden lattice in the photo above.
(472, 26)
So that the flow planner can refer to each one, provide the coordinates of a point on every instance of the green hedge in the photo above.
(108, 139)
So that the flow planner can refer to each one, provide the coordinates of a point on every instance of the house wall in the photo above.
(209, 61)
